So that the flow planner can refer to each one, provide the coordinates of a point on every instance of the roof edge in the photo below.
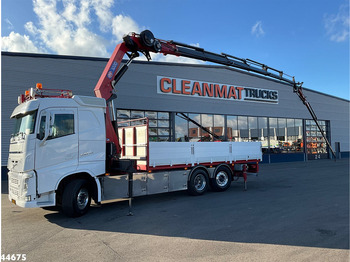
(101, 59)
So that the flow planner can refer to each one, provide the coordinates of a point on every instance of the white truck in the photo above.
(58, 156)
(67, 150)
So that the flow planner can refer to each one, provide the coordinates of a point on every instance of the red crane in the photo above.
(145, 42)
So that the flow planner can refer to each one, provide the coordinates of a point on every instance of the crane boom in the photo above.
(145, 42)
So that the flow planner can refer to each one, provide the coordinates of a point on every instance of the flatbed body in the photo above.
(158, 156)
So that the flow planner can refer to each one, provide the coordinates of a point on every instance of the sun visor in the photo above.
(25, 108)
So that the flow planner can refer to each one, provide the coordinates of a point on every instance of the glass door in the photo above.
(315, 144)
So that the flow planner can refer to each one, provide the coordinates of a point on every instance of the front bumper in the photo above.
(22, 191)
(23, 203)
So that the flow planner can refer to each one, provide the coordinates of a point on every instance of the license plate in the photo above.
(14, 201)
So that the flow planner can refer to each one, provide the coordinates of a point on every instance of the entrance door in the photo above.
(56, 152)
(315, 144)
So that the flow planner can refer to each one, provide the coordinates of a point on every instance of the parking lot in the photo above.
(291, 212)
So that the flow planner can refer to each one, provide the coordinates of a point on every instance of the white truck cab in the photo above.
(54, 138)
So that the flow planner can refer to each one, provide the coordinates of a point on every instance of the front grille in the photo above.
(14, 191)
(14, 185)
(14, 181)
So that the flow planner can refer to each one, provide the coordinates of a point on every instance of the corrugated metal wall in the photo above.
(22, 72)
(138, 90)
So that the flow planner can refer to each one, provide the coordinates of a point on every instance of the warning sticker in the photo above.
(112, 70)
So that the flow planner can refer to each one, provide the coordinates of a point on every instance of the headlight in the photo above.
(26, 181)
(28, 198)
(25, 184)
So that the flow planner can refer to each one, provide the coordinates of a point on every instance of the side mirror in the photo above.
(51, 124)
(42, 126)
(48, 129)
(44, 139)
(40, 136)
(52, 119)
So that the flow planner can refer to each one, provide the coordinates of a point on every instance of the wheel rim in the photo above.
(82, 198)
(221, 179)
(200, 182)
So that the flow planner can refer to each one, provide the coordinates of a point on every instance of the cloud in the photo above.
(19, 43)
(31, 28)
(66, 31)
(175, 59)
(103, 12)
(257, 29)
(77, 27)
(337, 25)
(122, 25)
(9, 24)
(67, 27)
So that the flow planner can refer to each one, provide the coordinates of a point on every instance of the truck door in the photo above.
(56, 152)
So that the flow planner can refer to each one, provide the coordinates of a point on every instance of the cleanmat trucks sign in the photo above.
(184, 87)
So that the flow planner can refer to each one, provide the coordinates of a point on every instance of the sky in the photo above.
(308, 39)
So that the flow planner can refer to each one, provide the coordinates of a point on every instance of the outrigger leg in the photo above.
(130, 183)
(244, 173)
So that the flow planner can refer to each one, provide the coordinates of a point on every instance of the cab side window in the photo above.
(63, 125)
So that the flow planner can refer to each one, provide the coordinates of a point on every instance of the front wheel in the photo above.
(198, 183)
(76, 198)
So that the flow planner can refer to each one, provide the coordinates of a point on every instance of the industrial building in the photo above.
(234, 105)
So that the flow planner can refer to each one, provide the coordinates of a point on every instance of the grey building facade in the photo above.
(234, 105)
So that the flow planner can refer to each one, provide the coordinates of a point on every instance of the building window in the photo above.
(277, 135)
(137, 114)
(253, 128)
(214, 124)
(263, 134)
(273, 142)
(295, 135)
(281, 131)
(232, 128)
(286, 135)
(207, 121)
(194, 131)
(299, 140)
(123, 114)
(159, 122)
(243, 131)
(181, 129)
(315, 143)
(219, 127)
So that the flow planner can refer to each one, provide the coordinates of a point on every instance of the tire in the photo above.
(76, 198)
(222, 179)
(198, 183)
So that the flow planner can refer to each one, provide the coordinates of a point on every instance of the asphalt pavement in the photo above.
(295, 211)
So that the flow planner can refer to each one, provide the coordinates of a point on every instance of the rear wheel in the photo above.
(76, 198)
(222, 179)
(198, 183)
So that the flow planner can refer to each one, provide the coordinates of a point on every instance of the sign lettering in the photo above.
(193, 88)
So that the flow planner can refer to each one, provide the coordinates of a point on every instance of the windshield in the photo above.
(25, 124)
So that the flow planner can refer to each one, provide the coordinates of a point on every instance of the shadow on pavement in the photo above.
(298, 204)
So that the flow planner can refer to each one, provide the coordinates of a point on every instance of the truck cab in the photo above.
(56, 140)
